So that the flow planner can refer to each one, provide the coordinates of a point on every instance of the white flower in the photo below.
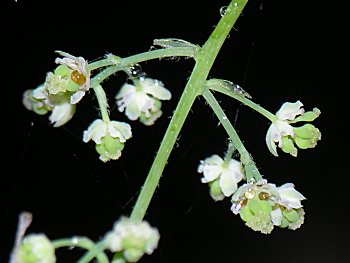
(133, 238)
(62, 113)
(109, 138)
(289, 197)
(41, 102)
(142, 100)
(79, 73)
(228, 174)
(285, 135)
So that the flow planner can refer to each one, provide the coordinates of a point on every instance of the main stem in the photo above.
(205, 58)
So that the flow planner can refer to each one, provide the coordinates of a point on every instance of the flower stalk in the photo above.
(204, 58)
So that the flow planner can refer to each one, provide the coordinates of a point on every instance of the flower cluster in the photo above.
(261, 205)
(132, 239)
(62, 89)
(68, 83)
(286, 136)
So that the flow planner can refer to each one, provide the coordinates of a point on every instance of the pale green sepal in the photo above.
(62, 70)
(291, 215)
(215, 191)
(72, 86)
(307, 116)
(288, 146)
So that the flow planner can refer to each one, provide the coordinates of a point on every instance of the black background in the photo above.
(279, 51)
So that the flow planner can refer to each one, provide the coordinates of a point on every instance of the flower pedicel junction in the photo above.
(260, 204)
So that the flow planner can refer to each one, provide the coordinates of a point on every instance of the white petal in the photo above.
(289, 110)
(214, 159)
(211, 172)
(227, 182)
(284, 128)
(133, 110)
(96, 131)
(156, 89)
(76, 96)
(61, 114)
(290, 196)
(235, 168)
(271, 135)
(126, 89)
(39, 92)
(276, 216)
(119, 129)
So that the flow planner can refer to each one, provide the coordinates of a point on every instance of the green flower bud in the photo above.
(256, 214)
(153, 114)
(291, 215)
(63, 71)
(288, 146)
(110, 148)
(308, 116)
(307, 136)
(215, 190)
(72, 86)
(35, 248)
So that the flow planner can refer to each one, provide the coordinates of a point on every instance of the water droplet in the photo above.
(264, 196)
(235, 4)
(78, 78)
(224, 118)
(250, 194)
(135, 70)
(223, 10)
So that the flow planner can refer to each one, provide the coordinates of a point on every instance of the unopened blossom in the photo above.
(142, 100)
(39, 101)
(221, 176)
(72, 76)
(109, 138)
(132, 238)
(34, 248)
(286, 136)
(262, 206)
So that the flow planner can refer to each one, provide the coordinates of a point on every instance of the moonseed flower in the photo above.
(142, 100)
(132, 239)
(39, 101)
(109, 138)
(285, 135)
(222, 176)
(72, 76)
(35, 248)
(262, 206)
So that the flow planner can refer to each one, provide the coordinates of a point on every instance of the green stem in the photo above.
(204, 60)
(81, 242)
(245, 101)
(249, 165)
(102, 102)
(228, 156)
(95, 251)
(125, 62)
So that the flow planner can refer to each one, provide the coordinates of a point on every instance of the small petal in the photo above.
(289, 110)
(289, 196)
(276, 216)
(77, 96)
(156, 89)
(121, 130)
(61, 114)
(228, 183)
(96, 131)
(271, 136)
